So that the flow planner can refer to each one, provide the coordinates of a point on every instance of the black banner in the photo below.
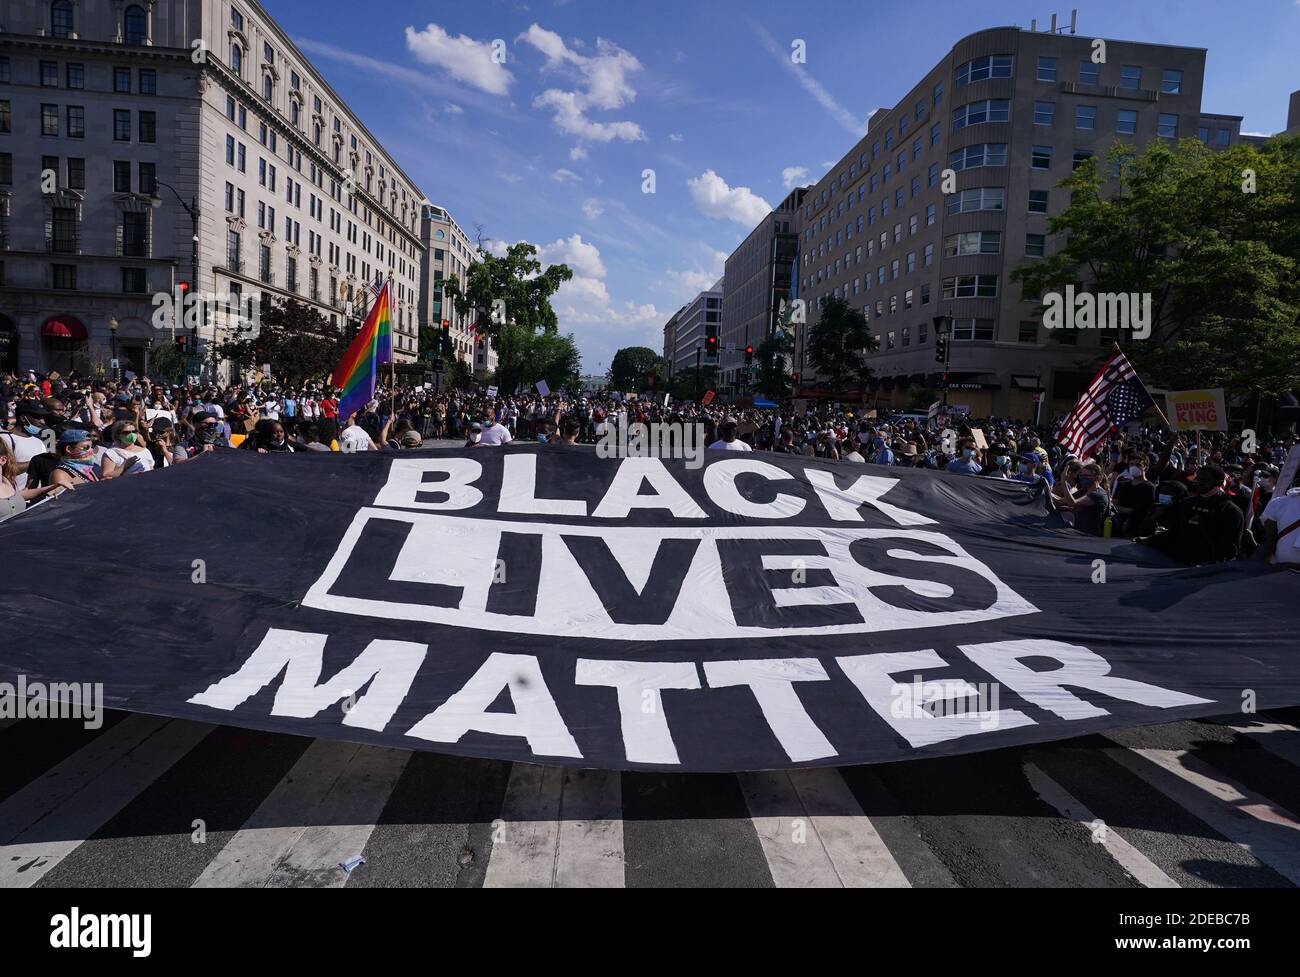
(544, 604)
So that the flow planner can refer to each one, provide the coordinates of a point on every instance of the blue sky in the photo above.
(550, 145)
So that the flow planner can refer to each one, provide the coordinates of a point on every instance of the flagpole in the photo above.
(392, 358)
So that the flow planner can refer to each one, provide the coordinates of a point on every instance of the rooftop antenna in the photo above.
(1053, 23)
(1074, 20)
(1033, 24)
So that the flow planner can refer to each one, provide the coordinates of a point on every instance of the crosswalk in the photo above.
(146, 801)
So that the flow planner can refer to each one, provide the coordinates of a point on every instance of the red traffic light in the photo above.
(713, 340)
(183, 286)
(445, 324)
(749, 350)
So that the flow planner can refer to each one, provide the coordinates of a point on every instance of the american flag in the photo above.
(1115, 397)
(375, 287)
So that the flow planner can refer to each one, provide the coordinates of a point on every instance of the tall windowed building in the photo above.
(127, 130)
(756, 281)
(1009, 112)
(448, 254)
(691, 328)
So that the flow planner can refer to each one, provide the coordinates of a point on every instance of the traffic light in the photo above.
(711, 339)
(941, 350)
(182, 342)
(749, 355)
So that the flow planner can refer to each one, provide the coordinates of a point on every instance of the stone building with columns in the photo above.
(147, 145)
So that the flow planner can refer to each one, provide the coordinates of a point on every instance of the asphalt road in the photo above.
(153, 802)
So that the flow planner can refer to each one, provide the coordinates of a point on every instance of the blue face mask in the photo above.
(968, 452)
(32, 429)
(1164, 500)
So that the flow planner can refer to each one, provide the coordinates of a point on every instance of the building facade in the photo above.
(1009, 112)
(191, 144)
(756, 281)
(670, 342)
(448, 253)
(689, 331)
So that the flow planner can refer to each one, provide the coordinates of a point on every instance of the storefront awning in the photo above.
(1025, 381)
(64, 327)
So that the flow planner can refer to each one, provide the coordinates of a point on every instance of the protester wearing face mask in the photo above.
(1204, 528)
(1030, 468)
(1092, 504)
(24, 442)
(77, 465)
(207, 434)
(966, 462)
(128, 449)
(1134, 495)
(474, 437)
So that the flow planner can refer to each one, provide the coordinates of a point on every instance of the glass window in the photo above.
(76, 75)
(148, 178)
(930, 214)
(1203, 134)
(1222, 137)
(1088, 73)
(1171, 81)
(1130, 76)
(121, 79)
(76, 122)
(1038, 201)
(148, 81)
(1168, 126)
(135, 25)
(974, 113)
(1028, 332)
(121, 176)
(935, 131)
(1044, 113)
(1081, 156)
(236, 19)
(50, 74)
(1035, 245)
(61, 24)
(49, 120)
(148, 126)
(1040, 158)
(982, 198)
(4, 69)
(1046, 69)
(76, 173)
(1085, 116)
(979, 69)
(1126, 121)
(937, 94)
(236, 59)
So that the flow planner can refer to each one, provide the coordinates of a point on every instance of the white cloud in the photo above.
(451, 108)
(675, 137)
(565, 176)
(685, 283)
(716, 199)
(592, 208)
(605, 86)
(511, 177)
(462, 57)
(582, 256)
(811, 85)
(791, 176)
(578, 152)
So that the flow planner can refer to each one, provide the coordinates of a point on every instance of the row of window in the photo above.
(134, 24)
(1171, 79)
(74, 77)
(74, 119)
(134, 280)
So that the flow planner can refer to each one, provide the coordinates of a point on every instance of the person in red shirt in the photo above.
(329, 418)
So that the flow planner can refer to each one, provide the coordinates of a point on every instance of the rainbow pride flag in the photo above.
(355, 375)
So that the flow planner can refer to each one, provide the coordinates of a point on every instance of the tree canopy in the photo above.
(838, 345)
(298, 342)
(629, 369)
(1214, 237)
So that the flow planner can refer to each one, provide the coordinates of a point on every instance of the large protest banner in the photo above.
(541, 603)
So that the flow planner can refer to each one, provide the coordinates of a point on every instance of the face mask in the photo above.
(1002, 461)
(1164, 499)
(129, 439)
(32, 429)
(207, 435)
(474, 437)
(81, 455)
(968, 452)
(1134, 472)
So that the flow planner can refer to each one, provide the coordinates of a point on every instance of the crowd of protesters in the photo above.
(1204, 500)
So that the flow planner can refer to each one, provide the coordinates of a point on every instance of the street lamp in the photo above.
(192, 208)
(112, 333)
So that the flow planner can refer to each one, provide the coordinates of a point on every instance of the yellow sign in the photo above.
(1197, 410)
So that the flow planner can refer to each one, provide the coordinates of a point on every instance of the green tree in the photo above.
(1216, 248)
(536, 356)
(772, 359)
(629, 369)
(298, 342)
(690, 384)
(838, 346)
(516, 281)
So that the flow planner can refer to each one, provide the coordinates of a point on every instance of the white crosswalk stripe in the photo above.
(814, 833)
(565, 828)
(1241, 815)
(558, 828)
(343, 787)
(1133, 861)
(51, 817)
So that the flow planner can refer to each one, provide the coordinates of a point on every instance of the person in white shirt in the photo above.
(355, 438)
(495, 433)
(1280, 529)
(727, 440)
(24, 443)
